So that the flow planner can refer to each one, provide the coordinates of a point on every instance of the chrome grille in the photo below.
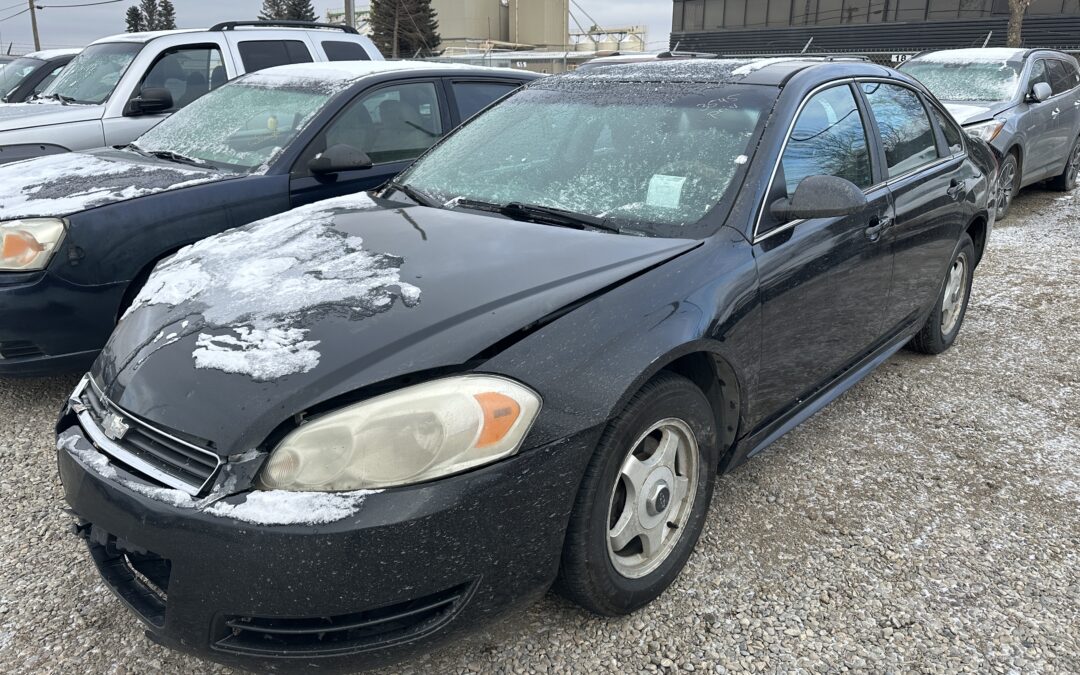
(163, 458)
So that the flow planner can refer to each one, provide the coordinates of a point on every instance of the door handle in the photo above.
(956, 188)
(1076, 103)
(877, 226)
(1055, 113)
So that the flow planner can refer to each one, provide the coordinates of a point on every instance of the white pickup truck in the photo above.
(121, 86)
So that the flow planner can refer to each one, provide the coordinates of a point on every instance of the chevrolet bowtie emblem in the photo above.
(114, 427)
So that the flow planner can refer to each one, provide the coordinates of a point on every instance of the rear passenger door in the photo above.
(394, 123)
(469, 96)
(930, 185)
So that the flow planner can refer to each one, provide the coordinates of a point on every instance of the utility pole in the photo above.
(33, 23)
(350, 13)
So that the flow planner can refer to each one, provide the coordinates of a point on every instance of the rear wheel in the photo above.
(1066, 182)
(643, 499)
(941, 329)
(1008, 184)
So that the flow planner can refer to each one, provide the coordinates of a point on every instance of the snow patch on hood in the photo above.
(59, 185)
(248, 292)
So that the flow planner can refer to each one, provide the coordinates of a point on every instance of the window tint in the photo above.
(187, 72)
(1061, 80)
(1039, 73)
(828, 140)
(953, 135)
(472, 97)
(905, 128)
(259, 54)
(344, 51)
(390, 124)
(1071, 72)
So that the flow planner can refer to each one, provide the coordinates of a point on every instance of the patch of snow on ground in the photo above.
(281, 507)
(246, 292)
(59, 185)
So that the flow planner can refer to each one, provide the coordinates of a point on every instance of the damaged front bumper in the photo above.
(395, 574)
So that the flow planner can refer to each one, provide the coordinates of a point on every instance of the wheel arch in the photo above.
(977, 230)
(137, 281)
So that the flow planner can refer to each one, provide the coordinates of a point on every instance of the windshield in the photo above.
(92, 75)
(967, 81)
(12, 74)
(648, 157)
(244, 124)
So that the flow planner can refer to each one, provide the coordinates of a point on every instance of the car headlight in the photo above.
(409, 436)
(28, 244)
(987, 131)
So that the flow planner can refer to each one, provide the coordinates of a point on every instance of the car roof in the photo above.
(46, 54)
(766, 71)
(147, 36)
(975, 54)
(350, 71)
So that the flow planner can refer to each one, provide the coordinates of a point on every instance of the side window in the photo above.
(953, 136)
(1060, 80)
(472, 97)
(338, 50)
(1072, 73)
(905, 128)
(391, 124)
(47, 80)
(828, 139)
(187, 72)
(260, 54)
(1039, 73)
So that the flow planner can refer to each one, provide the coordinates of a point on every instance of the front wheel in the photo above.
(1008, 185)
(643, 499)
(941, 329)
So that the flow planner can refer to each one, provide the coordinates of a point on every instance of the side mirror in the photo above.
(820, 197)
(1040, 92)
(338, 158)
(151, 100)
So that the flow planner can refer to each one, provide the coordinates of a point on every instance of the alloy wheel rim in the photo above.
(652, 498)
(953, 301)
(1074, 163)
(1005, 189)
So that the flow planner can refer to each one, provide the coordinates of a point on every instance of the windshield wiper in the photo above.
(64, 100)
(421, 198)
(535, 213)
(171, 156)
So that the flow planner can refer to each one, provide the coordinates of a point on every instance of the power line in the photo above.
(15, 14)
(84, 4)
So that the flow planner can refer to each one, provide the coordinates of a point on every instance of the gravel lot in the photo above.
(929, 520)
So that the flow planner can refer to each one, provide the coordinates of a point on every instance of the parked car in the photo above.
(81, 231)
(29, 75)
(121, 86)
(618, 59)
(345, 433)
(1024, 102)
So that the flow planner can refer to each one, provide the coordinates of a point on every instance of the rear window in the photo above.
(260, 54)
(337, 50)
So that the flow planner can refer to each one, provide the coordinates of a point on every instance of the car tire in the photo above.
(669, 412)
(943, 325)
(1010, 171)
(1066, 182)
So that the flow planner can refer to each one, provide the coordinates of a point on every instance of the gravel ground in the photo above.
(926, 521)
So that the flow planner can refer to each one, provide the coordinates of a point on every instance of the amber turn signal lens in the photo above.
(19, 248)
(500, 413)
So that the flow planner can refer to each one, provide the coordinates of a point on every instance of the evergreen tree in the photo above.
(272, 10)
(166, 15)
(404, 28)
(134, 20)
(149, 11)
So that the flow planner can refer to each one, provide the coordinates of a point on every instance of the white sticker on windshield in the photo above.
(665, 191)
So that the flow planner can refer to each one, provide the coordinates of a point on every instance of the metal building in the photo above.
(867, 26)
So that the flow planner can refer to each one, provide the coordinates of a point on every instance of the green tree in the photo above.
(404, 28)
(166, 15)
(149, 11)
(272, 10)
(134, 19)
(287, 10)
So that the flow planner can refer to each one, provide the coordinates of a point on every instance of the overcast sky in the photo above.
(77, 26)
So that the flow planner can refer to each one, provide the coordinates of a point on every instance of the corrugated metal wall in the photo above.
(1059, 32)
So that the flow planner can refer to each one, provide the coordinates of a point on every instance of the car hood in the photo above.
(237, 333)
(971, 112)
(25, 115)
(55, 186)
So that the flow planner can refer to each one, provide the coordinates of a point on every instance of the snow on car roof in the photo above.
(692, 70)
(46, 54)
(146, 37)
(350, 71)
(991, 54)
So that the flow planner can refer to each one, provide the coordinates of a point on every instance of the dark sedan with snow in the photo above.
(348, 432)
(80, 232)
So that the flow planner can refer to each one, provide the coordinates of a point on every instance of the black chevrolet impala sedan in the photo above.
(347, 433)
